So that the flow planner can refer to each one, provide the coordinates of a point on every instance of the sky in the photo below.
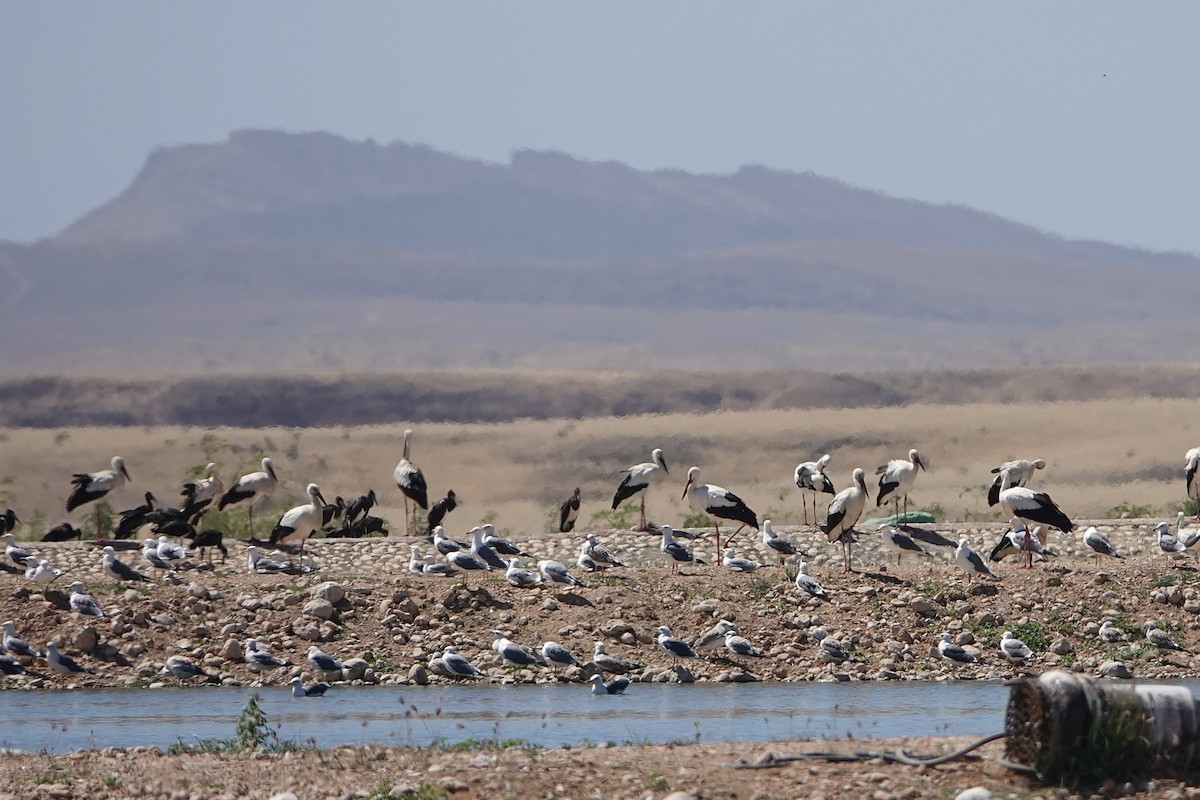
(1081, 118)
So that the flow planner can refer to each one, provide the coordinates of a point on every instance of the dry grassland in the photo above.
(1101, 455)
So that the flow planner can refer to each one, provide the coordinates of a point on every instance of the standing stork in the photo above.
(811, 480)
(411, 482)
(1032, 508)
(640, 477)
(91, 486)
(251, 486)
(1191, 463)
(300, 522)
(440, 509)
(896, 479)
(844, 512)
(202, 491)
(1019, 473)
(569, 512)
(719, 503)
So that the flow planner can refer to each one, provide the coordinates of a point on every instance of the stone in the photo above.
(232, 651)
(330, 591)
(197, 590)
(319, 608)
(419, 675)
(354, 668)
(86, 640)
(1061, 646)
(974, 793)
(1114, 669)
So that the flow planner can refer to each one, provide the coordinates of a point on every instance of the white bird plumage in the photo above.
(844, 512)
(811, 480)
(640, 478)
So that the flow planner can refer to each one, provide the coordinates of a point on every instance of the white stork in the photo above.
(896, 479)
(1032, 508)
(1191, 462)
(300, 522)
(843, 513)
(202, 491)
(811, 480)
(640, 477)
(91, 486)
(251, 486)
(1019, 473)
(719, 503)
(410, 480)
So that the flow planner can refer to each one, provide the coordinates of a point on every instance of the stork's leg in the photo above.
(643, 512)
(250, 517)
(735, 533)
(98, 521)
(804, 506)
(717, 528)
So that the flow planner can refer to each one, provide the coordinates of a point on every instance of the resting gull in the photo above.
(82, 602)
(64, 665)
(740, 646)
(312, 690)
(521, 578)
(183, 668)
(322, 661)
(675, 648)
(557, 572)
(809, 584)
(1014, 650)
(261, 660)
(16, 645)
(1098, 544)
(513, 654)
(1110, 633)
(832, 650)
(558, 656)
(116, 568)
(457, 666)
(952, 653)
(616, 687)
(607, 662)
(1160, 638)
(714, 637)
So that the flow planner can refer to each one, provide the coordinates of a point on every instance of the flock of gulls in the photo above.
(1032, 514)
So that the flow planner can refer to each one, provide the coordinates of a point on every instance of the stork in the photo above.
(1019, 473)
(844, 512)
(301, 521)
(896, 479)
(1191, 462)
(569, 512)
(718, 503)
(410, 480)
(811, 480)
(640, 477)
(251, 486)
(1032, 508)
(91, 486)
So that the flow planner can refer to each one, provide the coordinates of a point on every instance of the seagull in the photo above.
(952, 653)
(440, 509)
(598, 553)
(458, 666)
(322, 661)
(169, 551)
(832, 650)
(443, 543)
(734, 564)
(970, 562)
(606, 662)
(896, 478)
(675, 648)
(616, 687)
(899, 542)
(1110, 633)
(116, 568)
(261, 660)
(91, 486)
(312, 690)
(521, 578)
(512, 653)
(811, 480)
(1029, 542)
(1171, 546)
(844, 511)
(1191, 461)
(251, 486)
(416, 561)
(569, 512)
(775, 543)
(740, 646)
(183, 668)
(1189, 536)
(718, 503)
(150, 553)
(809, 584)
(42, 573)
(434, 567)
(15, 644)
(410, 480)
(1013, 649)
(1095, 541)
(484, 551)
(82, 602)
(501, 546)
(62, 664)
(13, 551)
(1160, 638)
(674, 552)
(301, 521)
(556, 572)
(1019, 473)
(10, 666)
(1011, 541)
(558, 656)
(258, 563)
(714, 637)
(640, 477)
(467, 562)
(1033, 508)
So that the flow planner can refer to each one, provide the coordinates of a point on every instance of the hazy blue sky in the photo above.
(1082, 118)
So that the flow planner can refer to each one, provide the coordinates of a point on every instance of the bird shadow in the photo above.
(572, 599)
(880, 577)
(57, 599)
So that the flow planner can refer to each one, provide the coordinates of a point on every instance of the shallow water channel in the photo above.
(550, 715)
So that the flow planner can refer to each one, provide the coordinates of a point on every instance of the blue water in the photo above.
(550, 715)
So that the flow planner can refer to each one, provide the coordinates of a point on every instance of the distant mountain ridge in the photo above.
(271, 248)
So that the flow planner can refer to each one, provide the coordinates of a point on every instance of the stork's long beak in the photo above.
(125, 472)
(666, 469)
(921, 464)
(321, 498)
(685, 488)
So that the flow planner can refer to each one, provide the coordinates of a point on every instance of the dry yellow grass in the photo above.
(1101, 454)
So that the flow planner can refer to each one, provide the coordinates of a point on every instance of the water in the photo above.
(550, 715)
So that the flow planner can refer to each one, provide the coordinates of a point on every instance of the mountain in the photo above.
(280, 250)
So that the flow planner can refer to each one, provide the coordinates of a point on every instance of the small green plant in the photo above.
(52, 775)
(252, 732)
(1032, 634)
(621, 519)
(1126, 510)
(111, 781)
(380, 790)
(431, 791)
(696, 519)
(655, 782)
(932, 588)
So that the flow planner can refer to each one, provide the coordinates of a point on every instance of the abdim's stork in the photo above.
(896, 479)
(1032, 508)
(844, 512)
(91, 486)
(251, 486)
(639, 478)
(441, 508)
(719, 503)
(411, 483)
(1019, 473)
(1191, 463)
(569, 512)
(811, 480)
(298, 523)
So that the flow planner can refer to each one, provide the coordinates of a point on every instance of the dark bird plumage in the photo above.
(360, 506)
(62, 532)
(441, 508)
(569, 512)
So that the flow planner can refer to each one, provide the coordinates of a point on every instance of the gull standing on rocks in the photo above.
(410, 480)
(558, 656)
(521, 578)
(14, 552)
(1095, 541)
(251, 486)
(675, 648)
(606, 662)
(82, 602)
(781, 547)
(896, 478)
(457, 665)
(1012, 473)
(512, 653)
(169, 551)
(899, 542)
(182, 668)
(261, 660)
(1029, 542)
(1109, 633)
(731, 562)
(600, 687)
(62, 664)
(467, 562)
(322, 661)
(416, 562)
(116, 568)
(312, 690)
(556, 572)
(674, 552)
(952, 653)
(15, 644)
(811, 480)
(1160, 638)
(1014, 650)
(640, 477)
(598, 553)
(809, 584)
(832, 650)
(485, 552)
(443, 543)
(500, 545)
(740, 646)
(714, 636)
(970, 562)
(1172, 547)
(718, 503)
(41, 573)
(843, 513)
